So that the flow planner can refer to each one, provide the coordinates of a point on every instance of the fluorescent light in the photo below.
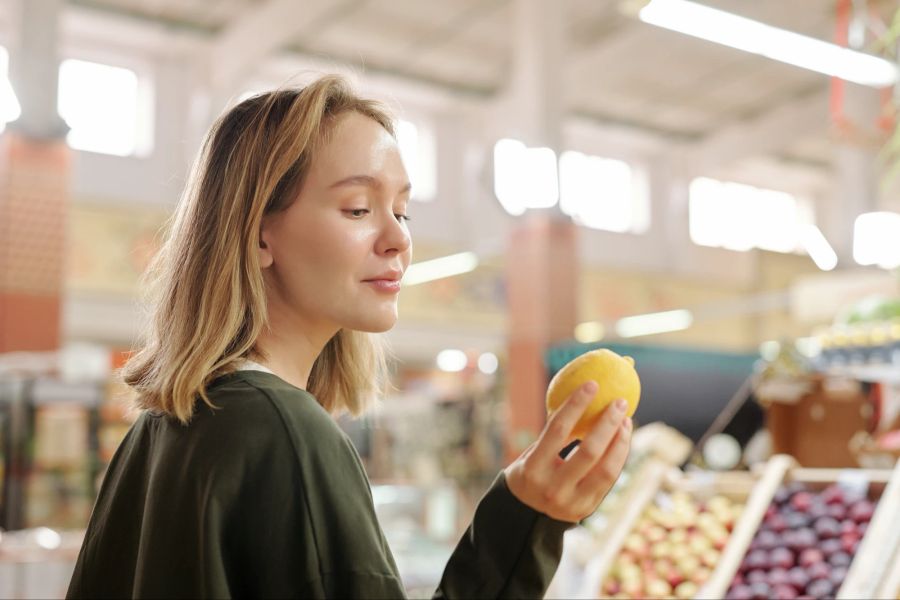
(875, 239)
(589, 332)
(778, 44)
(488, 363)
(661, 322)
(524, 177)
(452, 361)
(438, 268)
(819, 249)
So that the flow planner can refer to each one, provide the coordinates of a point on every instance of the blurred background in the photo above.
(710, 187)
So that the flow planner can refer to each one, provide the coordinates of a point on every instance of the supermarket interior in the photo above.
(709, 187)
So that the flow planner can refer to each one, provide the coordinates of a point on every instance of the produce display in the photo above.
(673, 548)
(805, 545)
(619, 377)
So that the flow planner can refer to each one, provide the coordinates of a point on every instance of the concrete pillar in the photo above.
(542, 254)
(34, 190)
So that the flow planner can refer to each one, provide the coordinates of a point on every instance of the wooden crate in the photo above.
(868, 564)
(656, 476)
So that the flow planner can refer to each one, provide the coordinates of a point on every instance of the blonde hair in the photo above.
(207, 297)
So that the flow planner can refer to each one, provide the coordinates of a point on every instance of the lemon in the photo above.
(615, 376)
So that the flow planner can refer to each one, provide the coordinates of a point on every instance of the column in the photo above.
(542, 252)
(34, 189)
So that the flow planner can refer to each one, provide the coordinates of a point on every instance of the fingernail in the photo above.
(590, 387)
(627, 424)
(621, 405)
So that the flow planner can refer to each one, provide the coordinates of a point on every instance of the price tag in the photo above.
(854, 481)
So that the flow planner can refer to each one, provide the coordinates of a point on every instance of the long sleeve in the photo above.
(508, 551)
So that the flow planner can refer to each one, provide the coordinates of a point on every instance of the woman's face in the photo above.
(335, 257)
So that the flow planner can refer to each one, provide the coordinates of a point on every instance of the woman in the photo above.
(286, 250)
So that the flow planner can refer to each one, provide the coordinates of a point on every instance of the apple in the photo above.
(687, 589)
(657, 588)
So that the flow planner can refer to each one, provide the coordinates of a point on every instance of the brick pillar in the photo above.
(34, 193)
(542, 278)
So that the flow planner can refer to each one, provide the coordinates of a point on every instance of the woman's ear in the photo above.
(266, 258)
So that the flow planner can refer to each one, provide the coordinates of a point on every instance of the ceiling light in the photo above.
(651, 323)
(819, 249)
(488, 363)
(875, 236)
(524, 177)
(778, 44)
(438, 268)
(452, 361)
(589, 332)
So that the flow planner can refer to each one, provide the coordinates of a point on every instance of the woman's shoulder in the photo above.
(262, 404)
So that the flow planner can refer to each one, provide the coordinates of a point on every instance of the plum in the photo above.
(778, 576)
(802, 501)
(740, 592)
(840, 559)
(833, 494)
(827, 528)
(810, 556)
(783, 592)
(848, 526)
(861, 511)
(820, 588)
(782, 558)
(838, 575)
(757, 576)
(829, 547)
(760, 591)
(819, 570)
(758, 559)
(796, 520)
(777, 523)
(766, 540)
(803, 539)
(799, 578)
(836, 511)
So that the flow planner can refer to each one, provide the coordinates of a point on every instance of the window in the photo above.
(418, 149)
(740, 217)
(603, 193)
(106, 107)
(9, 104)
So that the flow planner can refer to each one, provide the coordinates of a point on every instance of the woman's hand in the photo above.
(570, 489)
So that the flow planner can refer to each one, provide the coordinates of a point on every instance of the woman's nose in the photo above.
(394, 237)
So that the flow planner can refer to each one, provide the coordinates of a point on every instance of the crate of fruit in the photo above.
(673, 537)
(815, 533)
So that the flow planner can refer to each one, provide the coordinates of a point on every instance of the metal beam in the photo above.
(259, 31)
(767, 133)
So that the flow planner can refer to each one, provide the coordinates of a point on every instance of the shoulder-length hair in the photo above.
(206, 295)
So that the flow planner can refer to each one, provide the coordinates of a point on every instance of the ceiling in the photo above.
(619, 70)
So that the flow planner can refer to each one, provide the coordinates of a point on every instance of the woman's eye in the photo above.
(401, 218)
(358, 212)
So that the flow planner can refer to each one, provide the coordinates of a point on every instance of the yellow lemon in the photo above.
(615, 376)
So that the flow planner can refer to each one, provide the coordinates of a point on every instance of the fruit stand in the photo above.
(779, 531)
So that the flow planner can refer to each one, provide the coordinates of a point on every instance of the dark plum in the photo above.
(820, 588)
(827, 528)
(840, 559)
(810, 556)
(783, 592)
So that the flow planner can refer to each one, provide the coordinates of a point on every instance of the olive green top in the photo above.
(267, 498)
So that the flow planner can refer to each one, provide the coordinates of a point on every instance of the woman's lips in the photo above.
(387, 286)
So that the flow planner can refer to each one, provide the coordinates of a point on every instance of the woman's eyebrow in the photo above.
(365, 180)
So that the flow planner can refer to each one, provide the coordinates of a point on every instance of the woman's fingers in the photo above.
(559, 428)
(600, 479)
(592, 448)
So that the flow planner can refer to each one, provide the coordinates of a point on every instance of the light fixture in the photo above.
(438, 268)
(820, 251)
(875, 239)
(524, 177)
(589, 332)
(488, 363)
(452, 361)
(652, 323)
(745, 34)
